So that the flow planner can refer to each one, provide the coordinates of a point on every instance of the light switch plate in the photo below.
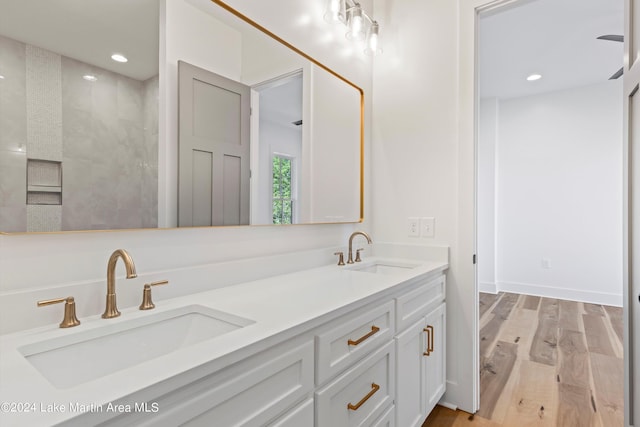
(428, 226)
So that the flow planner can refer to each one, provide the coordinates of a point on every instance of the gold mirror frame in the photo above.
(265, 31)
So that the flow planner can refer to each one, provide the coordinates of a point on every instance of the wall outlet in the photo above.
(428, 226)
(413, 227)
(546, 263)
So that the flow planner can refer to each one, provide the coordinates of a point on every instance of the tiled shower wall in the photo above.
(104, 132)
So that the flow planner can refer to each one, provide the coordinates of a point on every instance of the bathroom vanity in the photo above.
(355, 345)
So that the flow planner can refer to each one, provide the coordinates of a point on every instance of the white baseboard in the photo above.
(561, 293)
(487, 287)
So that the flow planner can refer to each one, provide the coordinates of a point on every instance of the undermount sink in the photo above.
(384, 267)
(88, 355)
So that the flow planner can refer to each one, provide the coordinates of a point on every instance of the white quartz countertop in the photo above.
(280, 307)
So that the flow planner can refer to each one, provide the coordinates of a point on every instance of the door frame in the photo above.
(631, 86)
(468, 116)
(468, 107)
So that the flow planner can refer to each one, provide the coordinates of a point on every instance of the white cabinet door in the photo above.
(436, 357)
(410, 374)
(421, 368)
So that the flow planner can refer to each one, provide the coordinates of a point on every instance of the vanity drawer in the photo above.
(248, 393)
(351, 337)
(388, 419)
(300, 416)
(413, 305)
(360, 396)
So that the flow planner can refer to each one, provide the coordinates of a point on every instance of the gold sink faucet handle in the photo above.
(340, 257)
(358, 259)
(70, 318)
(147, 303)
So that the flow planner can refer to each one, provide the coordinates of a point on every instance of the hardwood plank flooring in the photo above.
(545, 341)
(545, 362)
(494, 374)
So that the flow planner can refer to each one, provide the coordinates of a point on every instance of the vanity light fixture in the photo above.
(90, 78)
(360, 26)
(534, 77)
(119, 58)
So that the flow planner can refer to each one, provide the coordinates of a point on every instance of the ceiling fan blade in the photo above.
(617, 74)
(612, 37)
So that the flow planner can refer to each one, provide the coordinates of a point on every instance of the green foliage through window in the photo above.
(282, 200)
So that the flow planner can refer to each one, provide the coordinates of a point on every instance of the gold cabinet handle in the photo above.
(147, 303)
(374, 387)
(374, 329)
(428, 332)
(69, 320)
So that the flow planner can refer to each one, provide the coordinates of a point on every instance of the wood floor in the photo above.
(545, 362)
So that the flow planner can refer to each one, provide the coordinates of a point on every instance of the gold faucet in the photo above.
(111, 309)
(354, 234)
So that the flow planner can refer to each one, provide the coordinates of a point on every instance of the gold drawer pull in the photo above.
(374, 329)
(431, 335)
(374, 387)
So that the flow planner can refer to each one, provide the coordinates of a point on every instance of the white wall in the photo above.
(44, 262)
(416, 157)
(334, 162)
(559, 197)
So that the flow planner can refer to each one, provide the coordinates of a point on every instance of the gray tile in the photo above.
(13, 103)
(13, 219)
(130, 95)
(77, 193)
(13, 179)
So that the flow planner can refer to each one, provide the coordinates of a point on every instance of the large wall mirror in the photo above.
(79, 139)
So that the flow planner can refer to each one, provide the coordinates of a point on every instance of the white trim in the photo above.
(561, 293)
(488, 287)
(448, 405)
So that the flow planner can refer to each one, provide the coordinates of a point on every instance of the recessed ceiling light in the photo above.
(119, 58)
(1, 77)
(90, 78)
(534, 77)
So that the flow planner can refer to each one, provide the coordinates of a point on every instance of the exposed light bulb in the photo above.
(534, 77)
(356, 24)
(335, 11)
(119, 58)
(373, 40)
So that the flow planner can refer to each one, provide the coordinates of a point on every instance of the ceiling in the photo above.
(554, 38)
(89, 31)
